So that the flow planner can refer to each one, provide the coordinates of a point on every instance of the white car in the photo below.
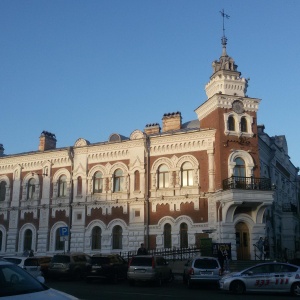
(17, 284)
(30, 264)
(269, 277)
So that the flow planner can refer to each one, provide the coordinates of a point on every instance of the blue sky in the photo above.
(87, 69)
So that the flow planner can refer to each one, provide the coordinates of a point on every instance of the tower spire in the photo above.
(224, 38)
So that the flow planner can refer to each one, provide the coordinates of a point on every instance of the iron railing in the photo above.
(247, 183)
(168, 254)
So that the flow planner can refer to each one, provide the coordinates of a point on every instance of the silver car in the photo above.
(202, 269)
(270, 277)
(149, 268)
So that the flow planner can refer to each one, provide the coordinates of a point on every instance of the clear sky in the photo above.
(90, 68)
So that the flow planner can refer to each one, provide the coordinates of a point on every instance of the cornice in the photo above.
(225, 101)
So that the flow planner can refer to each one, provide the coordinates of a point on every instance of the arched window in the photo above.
(167, 236)
(187, 174)
(118, 180)
(27, 240)
(62, 186)
(117, 237)
(79, 185)
(59, 244)
(231, 123)
(239, 169)
(136, 180)
(31, 189)
(163, 177)
(96, 238)
(183, 235)
(98, 182)
(2, 190)
(244, 125)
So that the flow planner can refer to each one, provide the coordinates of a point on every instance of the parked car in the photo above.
(149, 268)
(17, 284)
(202, 269)
(30, 264)
(44, 262)
(71, 265)
(269, 277)
(111, 266)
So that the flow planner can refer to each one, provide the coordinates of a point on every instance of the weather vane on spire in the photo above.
(224, 39)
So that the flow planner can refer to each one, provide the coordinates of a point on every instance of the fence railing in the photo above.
(247, 183)
(168, 254)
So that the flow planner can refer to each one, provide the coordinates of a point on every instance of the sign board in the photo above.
(63, 231)
(224, 248)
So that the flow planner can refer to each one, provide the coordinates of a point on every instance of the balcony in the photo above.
(247, 183)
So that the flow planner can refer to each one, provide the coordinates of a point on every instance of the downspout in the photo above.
(147, 180)
(71, 157)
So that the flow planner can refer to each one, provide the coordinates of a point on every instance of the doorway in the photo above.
(242, 241)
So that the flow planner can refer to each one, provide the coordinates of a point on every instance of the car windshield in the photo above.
(141, 261)
(16, 281)
(206, 264)
(61, 259)
(100, 260)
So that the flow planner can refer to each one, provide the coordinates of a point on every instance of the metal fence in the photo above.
(168, 254)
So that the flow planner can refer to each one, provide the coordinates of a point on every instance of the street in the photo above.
(175, 290)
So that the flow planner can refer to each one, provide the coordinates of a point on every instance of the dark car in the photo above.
(72, 265)
(111, 267)
(149, 268)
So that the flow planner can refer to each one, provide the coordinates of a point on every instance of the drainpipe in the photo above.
(147, 179)
(71, 157)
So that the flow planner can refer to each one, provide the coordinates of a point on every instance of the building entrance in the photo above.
(242, 241)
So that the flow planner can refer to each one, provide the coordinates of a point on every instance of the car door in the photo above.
(31, 265)
(281, 277)
(258, 278)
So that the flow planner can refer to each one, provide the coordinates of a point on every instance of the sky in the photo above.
(88, 69)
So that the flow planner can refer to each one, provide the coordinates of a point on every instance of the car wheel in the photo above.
(159, 281)
(131, 282)
(237, 287)
(190, 284)
(77, 275)
(295, 289)
(171, 277)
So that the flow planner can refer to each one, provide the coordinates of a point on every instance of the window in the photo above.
(59, 245)
(62, 186)
(31, 189)
(96, 238)
(231, 125)
(244, 125)
(27, 240)
(117, 237)
(98, 182)
(163, 177)
(79, 185)
(183, 235)
(167, 236)
(2, 190)
(187, 174)
(136, 180)
(118, 180)
(239, 169)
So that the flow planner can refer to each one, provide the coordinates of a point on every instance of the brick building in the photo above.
(218, 176)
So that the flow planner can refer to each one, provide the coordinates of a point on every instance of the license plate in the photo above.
(140, 271)
(206, 273)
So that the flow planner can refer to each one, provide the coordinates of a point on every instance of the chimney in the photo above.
(152, 128)
(1, 150)
(47, 141)
(172, 121)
